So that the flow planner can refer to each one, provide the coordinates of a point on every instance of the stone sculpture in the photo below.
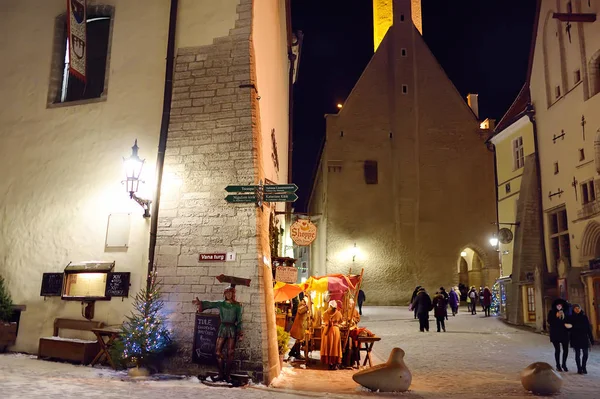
(392, 376)
(540, 379)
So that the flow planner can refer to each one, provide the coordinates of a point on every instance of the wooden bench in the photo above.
(71, 349)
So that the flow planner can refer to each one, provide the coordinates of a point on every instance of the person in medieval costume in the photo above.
(299, 328)
(331, 340)
(230, 330)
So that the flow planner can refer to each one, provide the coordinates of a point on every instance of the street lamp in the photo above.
(494, 240)
(133, 169)
(463, 254)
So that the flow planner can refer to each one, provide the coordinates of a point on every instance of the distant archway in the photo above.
(590, 242)
(469, 267)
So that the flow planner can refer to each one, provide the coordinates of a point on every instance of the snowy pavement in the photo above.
(477, 357)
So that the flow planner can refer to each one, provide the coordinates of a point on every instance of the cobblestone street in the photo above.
(477, 357)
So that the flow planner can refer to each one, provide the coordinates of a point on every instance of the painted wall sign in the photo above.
(303, 232)
(286, 274)
(212, 257)
(76, 31)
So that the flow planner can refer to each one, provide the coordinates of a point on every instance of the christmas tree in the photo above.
(495, 308)
(5, 302)
(145, 335)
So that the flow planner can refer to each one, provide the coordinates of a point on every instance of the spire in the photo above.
(383, 17)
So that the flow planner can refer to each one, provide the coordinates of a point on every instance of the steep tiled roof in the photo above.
(516, 110)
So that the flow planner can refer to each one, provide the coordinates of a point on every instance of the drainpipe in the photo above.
(164, 132)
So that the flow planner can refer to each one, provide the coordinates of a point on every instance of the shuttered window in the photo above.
(371, 172)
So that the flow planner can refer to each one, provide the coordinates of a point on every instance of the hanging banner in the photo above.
(76, 33)
(303, 232)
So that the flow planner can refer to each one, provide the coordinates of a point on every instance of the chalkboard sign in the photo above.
(205, 338)
(117, 284)
(52, 284)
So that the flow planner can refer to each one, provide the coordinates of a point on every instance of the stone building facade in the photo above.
(405, 183)
(62, 159)
(564, 91)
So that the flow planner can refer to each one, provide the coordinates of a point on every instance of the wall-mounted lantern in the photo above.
(133, 169)
(354, 252)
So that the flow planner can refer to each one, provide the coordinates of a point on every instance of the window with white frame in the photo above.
(588, 193)
(518, 155)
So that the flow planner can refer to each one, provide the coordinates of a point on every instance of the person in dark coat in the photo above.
(454, 301)
(412, 299)
(472, 297)
(439, 310)
(361, 299)
(559, 332)
(445, 294)
(487, 301)
(581, 337)
(422, 305)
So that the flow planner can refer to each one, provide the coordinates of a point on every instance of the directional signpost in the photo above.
(285, 197)
(259, 193)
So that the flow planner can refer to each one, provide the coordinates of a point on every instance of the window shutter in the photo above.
(370, 172)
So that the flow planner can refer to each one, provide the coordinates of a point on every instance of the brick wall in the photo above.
(213, 142)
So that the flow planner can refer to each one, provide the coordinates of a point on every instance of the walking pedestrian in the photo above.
(361, 299)
(439, 310)
(559, 333)
(453, 300)
(581, 337)
(445, 294)
(487, 301)
(422, 305)
(480, 297)
(412, 299)
(472, 298)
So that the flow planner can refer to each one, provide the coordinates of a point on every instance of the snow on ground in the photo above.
(477, 355)
(476, 358)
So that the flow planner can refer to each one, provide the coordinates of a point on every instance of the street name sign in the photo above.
(240, 199)
(241, 189)
(286, 197)
(280, 188)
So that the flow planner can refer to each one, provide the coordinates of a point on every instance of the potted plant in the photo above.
(8, 330)
(283, 338)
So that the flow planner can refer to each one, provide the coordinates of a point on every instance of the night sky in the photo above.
(483, 45)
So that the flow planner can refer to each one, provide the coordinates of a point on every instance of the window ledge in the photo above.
(584, 163)
(78, 102)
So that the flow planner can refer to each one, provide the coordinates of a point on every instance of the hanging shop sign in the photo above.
(286, 274)
(303, 232)
(76, 31)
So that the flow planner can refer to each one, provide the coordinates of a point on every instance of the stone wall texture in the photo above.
(214, 141)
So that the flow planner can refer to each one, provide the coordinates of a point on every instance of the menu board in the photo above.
(206, 329)
(117, 284)
(52, 284)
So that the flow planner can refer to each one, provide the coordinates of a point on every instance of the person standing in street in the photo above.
(559, 333)
(472, 296)
(581, 337)
(487, 301)
(453, 300)
(439, 310)
(445, 294)
(361, 299)
(422, 305)
(412, 299)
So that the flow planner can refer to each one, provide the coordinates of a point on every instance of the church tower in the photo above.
(383, 18)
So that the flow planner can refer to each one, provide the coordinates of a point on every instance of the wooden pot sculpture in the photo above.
(540, 379)
(392, 376)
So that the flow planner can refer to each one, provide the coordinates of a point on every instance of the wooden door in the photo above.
(530, 301)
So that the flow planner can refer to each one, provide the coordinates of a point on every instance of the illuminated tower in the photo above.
(383, 17)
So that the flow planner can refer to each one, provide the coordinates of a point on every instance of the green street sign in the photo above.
(280, 188)
(289, 197)
(241, 189)
(240, 199)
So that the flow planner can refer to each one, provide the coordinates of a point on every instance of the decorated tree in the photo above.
(5, 302)
(144, 335)
(495, 308)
